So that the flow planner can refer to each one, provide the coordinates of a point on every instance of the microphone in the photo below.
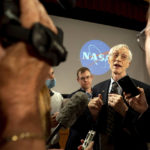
(70, 113)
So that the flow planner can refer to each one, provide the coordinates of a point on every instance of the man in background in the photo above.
(87, 121)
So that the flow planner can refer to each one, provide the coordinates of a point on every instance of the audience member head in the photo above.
(84, 77)
(51, 81)
(119, 59)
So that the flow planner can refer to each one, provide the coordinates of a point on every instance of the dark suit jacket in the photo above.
(143, 125)
(125, 136)
(79, 90)
(80, 129)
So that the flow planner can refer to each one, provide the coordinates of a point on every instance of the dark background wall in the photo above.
(128, 14)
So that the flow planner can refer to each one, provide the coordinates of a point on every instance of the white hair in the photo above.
(117, 47)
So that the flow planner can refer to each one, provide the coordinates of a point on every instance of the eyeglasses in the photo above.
(123, 56)
(84, 78)
(141, 39)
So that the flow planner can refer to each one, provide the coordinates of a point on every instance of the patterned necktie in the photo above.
(115, 88)
(89, 96)
(111, 112)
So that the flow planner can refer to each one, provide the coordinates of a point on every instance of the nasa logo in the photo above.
(94, 55)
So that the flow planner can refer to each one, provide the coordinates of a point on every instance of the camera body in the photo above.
(47, 45)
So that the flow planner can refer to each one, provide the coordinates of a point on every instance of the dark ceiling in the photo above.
(130, 14)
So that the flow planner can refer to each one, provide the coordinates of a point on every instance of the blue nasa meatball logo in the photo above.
(94, 55)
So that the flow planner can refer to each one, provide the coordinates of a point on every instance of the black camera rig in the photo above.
(46, 43)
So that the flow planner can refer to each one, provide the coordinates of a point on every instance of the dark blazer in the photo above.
(143, 125)
(80, 129)
(125, 136)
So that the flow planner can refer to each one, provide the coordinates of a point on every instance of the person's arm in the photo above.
(21, 77)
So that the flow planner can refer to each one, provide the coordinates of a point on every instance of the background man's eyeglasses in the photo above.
(84, 78)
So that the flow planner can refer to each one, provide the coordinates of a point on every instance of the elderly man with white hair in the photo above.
(115, 122)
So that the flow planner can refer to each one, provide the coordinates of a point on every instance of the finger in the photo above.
(100, 99)
(28, 10)
(110, 99)
(100, 96)
(113, 96)
(80, 147)
(131, 102)
(98, 103)
(91, 105)
(93, 101)
(111, 104)
(90, 146)
(45, 18)
(95, 107)
(127, 95)
(141, 90)
(127, 100)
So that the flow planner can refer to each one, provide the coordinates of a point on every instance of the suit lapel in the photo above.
(105, 90)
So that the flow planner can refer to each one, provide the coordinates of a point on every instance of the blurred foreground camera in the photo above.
(47, 45)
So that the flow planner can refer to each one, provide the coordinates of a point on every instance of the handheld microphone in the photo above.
(70, 112)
